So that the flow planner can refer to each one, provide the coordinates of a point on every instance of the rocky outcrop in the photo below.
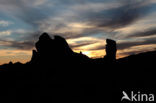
(110, 50)
(54, 50)
(57, 51)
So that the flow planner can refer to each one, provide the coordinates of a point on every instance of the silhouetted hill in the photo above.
(57, 74)
(141, 58)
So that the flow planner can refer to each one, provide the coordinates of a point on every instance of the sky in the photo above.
(85, 24)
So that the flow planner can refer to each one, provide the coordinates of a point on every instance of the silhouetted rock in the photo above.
(54, 51)
(53, 47)
(10, 63)
(34, 57)
(110, 50)
(43, 44)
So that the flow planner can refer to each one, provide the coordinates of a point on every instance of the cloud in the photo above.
(56, 18)
(82, 44)
(136, 50)
(127, 13)
(5, 33)
(4, 23)
(25, 10)
(144, 33)
(91, 18)
(146, 41)
(24, 45)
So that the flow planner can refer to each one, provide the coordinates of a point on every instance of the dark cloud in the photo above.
(26, 11)
(31, 36)
(129, 12)
(69, 35)
(24, 45)
(149, 32)
(131, 52)
(126, 45)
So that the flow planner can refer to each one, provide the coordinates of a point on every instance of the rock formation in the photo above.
(51, 51)
(110, 50)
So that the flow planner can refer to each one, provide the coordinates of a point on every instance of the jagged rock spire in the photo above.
(111, 50)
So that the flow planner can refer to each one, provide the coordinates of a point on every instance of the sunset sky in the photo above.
(84, 23)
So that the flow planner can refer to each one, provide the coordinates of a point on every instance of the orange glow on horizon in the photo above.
(24, 56)
(14, 56)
